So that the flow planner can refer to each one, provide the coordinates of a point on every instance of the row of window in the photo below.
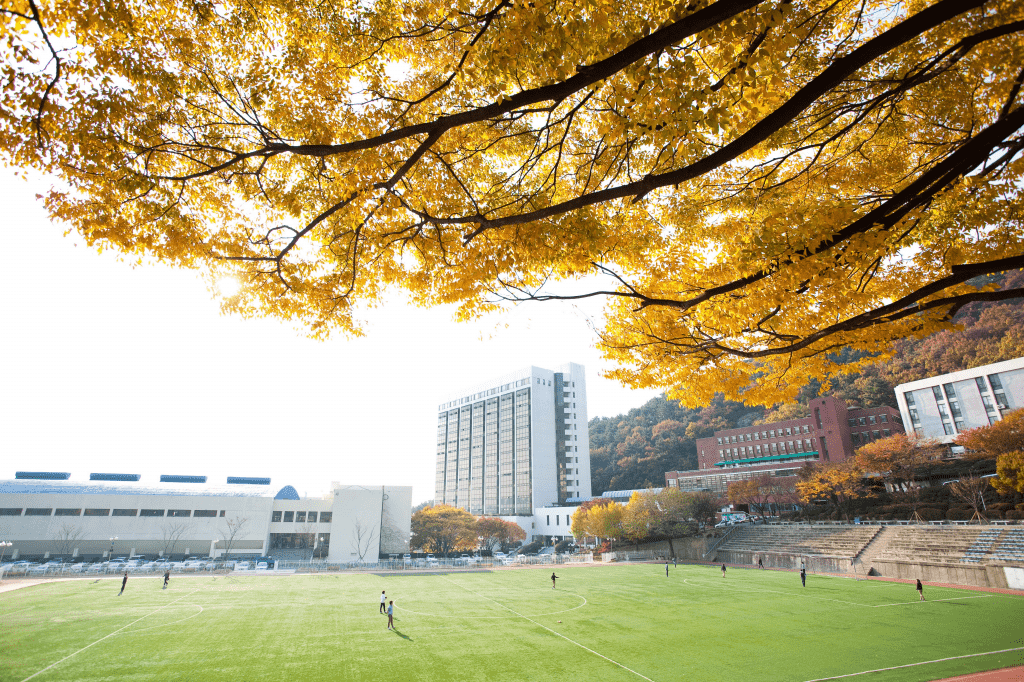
(300, 517)
(765, 435)
(781, 447)
(50, 511)
(862, 421)
(868, 436)
(558, 518)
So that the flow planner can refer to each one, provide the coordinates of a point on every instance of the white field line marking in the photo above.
(21, 611)
(107, 636)
(163, 625)
(811, 596)
(554, 632)
(788, 594)
(911, 665)
(918, 601)
(535, 615)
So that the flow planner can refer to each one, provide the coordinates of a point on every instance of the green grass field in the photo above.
(612, 623)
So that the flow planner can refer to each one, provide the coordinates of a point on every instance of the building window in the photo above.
(311, 517)
(97, 512)
(275, 517)
(222, 512)
(861, 421)
(206, 513)
(289, 516)
(38, 511)
(557, 520)
(179, 512)
(548, 517)
(68, 512)
(300, 517)
(884, 419)
(325, 517)
(871, 419)
(885, 432)
(10, 511)
(152, 512)
(126, 512)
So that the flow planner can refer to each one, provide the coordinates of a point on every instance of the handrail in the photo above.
(720, 541)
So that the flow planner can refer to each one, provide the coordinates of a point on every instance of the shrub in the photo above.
(930, 514)
(993, 514)
(1001, 506)
(1020, 507)
(960, 514)
(531, 548)
(1014, 514)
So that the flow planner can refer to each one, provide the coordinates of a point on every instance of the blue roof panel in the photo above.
(114, 477)
(174, 478)
(43, 475)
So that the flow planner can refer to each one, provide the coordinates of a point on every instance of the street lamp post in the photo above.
(3, 548)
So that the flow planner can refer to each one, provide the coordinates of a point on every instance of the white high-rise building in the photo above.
(946, 405)
(517, 442)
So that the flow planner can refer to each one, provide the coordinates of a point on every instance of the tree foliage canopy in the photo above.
(760, 182)
(443, 529)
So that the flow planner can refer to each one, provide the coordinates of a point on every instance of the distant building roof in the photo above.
(245, 480)
(62, 487)
(43, 475)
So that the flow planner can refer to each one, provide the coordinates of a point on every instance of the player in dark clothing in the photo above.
(666, 569)
(723, 570)
(553, 579)
(124, 581)
(167, 577)
(760, 563)
(803, 576)
(920, 589)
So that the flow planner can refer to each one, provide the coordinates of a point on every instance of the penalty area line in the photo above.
(40, 672)
(554, 632)
(912, 665)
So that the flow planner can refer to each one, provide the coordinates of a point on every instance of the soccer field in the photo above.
(612, 623)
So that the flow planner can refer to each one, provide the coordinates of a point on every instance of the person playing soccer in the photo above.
(383, 602)
(553, 579)
(920, 589)
(167, 577)
(666, 569)
(391, 616)
(124, 581)
(760, 564)
(723, 570)
(803, 576)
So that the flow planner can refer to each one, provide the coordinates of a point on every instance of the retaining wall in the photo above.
(957, 574)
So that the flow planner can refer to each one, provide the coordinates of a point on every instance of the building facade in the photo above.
(945, 405)
(514, 443)
(831, 433)
(45, 513)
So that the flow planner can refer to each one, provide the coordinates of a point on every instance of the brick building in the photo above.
(830, 434)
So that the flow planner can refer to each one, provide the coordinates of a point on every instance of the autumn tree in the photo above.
(760, 493)
(757, 182)
(498, 534)
(443, 529)
(838, 483)
(1010, 472)
(897, 457)
(1005, 435)
(971, 490)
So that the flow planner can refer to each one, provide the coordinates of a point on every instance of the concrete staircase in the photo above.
(876, 547)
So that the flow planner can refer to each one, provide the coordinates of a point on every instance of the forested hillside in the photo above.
(635, 450)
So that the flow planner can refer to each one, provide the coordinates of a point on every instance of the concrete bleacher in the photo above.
(827, 540)
(939, 544)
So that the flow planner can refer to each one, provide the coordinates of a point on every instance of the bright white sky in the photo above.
(113, 369)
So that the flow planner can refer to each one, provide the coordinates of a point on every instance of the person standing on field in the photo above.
(167, 577)
(723, 570)
(553, 579)
(391, 615)
(803, 576)
(124, 581)
(666, 569)
(920, 589)
(383, 602)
